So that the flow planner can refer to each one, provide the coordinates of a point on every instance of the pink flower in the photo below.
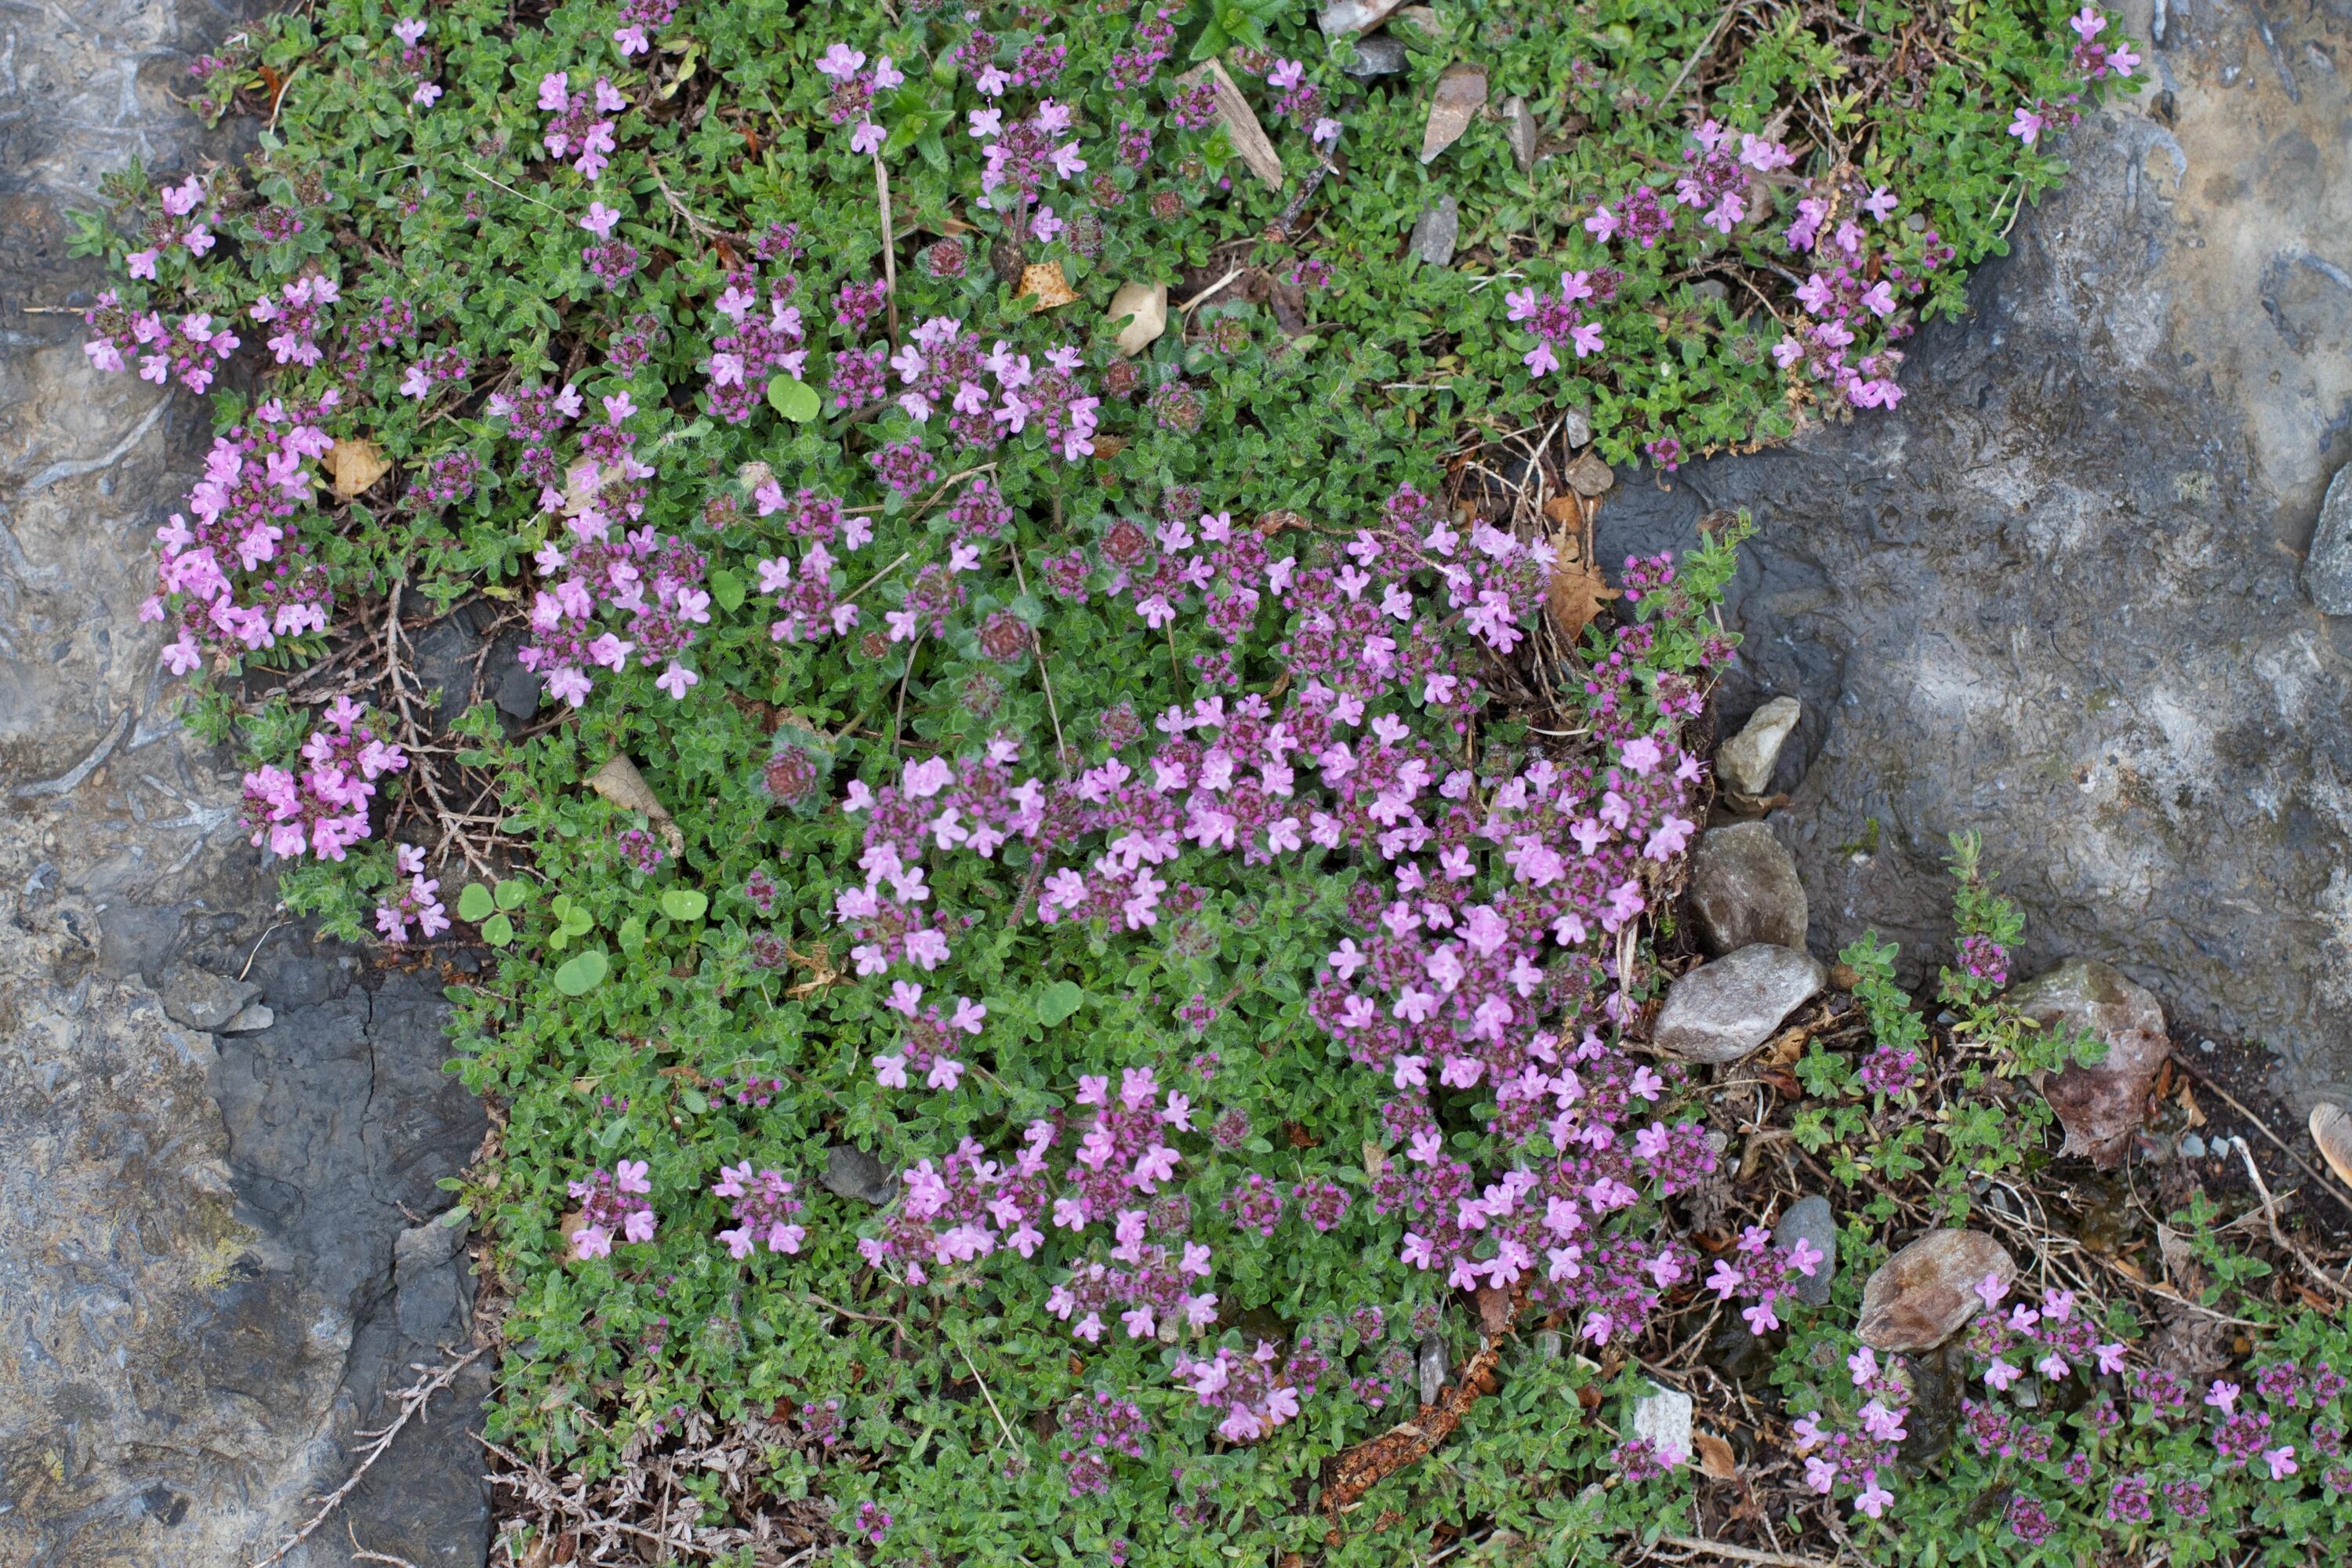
(1602, 224)
(2026, 126)
(2087, 24)
(867, 138)
(632, 40)
(2281, 1460)
(1873, 1499)
(2222, 1396)
(143, 263)
(840, 62)
(600, 220)
(425, 94)
(676, 679)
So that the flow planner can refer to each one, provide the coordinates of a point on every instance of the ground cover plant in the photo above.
(1105, 962)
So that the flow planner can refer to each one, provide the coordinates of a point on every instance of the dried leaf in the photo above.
(353, 465)
(2331, 1129)
(1461, 94)
(1714, 1459)
(1249, 138)
(1577, 589)
(1494, 1309)
(619, 782)
(1044, 280)
(2188, 1101)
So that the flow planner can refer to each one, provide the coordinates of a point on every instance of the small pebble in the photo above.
(2207, 1047)
(2192, 1147)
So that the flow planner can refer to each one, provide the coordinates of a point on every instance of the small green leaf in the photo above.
(1059, 1001)
(497, 930)
(633, 935)
(684, 903)
(793, 398)
(577, 920)
(693, 1099)
(513, 893)
(474, 903)
(582, 975)
(727, 589)
(610, 1133)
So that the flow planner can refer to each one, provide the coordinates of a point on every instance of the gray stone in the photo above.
(1927, 1292)
(1431, 1368)
(2192, 1146)
(1662, 1417)
(852, 1172)
(1745, 762)
(1744, 889)
(2327, 569)
(518, 693)
(2101, 1105)
(249, 1020)
(1722, 1010)
(433, 1300)
(1519, 122)
(1576, 425)
(1338, 16)
(1378, 56)
(201, 1000)
(1810, 1219)
(1436, 230)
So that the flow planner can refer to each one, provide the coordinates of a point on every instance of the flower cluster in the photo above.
(2093, 60)
(615, 1204)
(1852, 1449)
(853, 87)
(297, 319)
(763, 1210)
(1559, 324)
(187, 350)
(1095, 1431)
(583, 126)
(1766, 1275)
(416, 899)
(322, 811)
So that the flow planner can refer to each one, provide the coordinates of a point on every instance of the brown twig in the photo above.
(1351, 1474)
(412, 1400)
(1741, 1554)
(2270, 1214)
(889, 246)
(1037, 646)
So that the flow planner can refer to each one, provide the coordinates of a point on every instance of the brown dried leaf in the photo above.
(353, 465)
(1461, 94)
(1494, 1309)
(1715, 1458)
(2188, 1101)
(1044, 280)
(1248, 137)
(619, 782)
(1578, 590)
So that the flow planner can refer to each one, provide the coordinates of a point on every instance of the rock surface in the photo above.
(1744, 889)
(1810, 1219)
(1436, 231)
(1722, 1010)
(1745, 762)
(1662, 1417)
(204, 1291)
(2327, 571)
(2101, 1105)
(1926, 1293)
(2057, 594)
(852, 1172)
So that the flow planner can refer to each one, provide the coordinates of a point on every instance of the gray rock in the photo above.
(1378, 56)
(518, 693)
(1745, 762)
(1663, 1416)
(1519, 122)
(201, 1000)
(1338, 17)
(1744, 889)
(1436, 230)
(249, 1020)
(2327, 570)
(1431, 1368)
(1810, 1219)
(2102, 1105)
(1576, 425)
(2192, 1146)
(1722, 1010)
(852, 1172)
(1926, 1293)
(433, 1300)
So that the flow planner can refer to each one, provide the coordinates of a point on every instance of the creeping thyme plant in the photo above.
(1119, 969)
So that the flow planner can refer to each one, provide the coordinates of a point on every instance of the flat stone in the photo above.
(201, 1000)
(1519, 120)
(2327, 570)
(2102, 1105)
(1377, 55)
(1662, 1417)
(1745, 762)
(250, 1019)
(1436, 230)
(1744, 889)
(1589, 475)
(1575, 426)
(852, 1172)
(1431, 1368)
(1722, 1010)
(1810, 1219)
(1926, 1293)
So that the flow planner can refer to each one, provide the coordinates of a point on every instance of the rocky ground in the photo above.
(2060, 596)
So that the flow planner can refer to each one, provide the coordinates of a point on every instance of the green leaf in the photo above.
(497, 930)
(1059, 1001)
(513, 893)
(694, 1100)
(474, 903)
(684, 903)
(633, 935)
(727, 589)
(793, 398)
(582, 973)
